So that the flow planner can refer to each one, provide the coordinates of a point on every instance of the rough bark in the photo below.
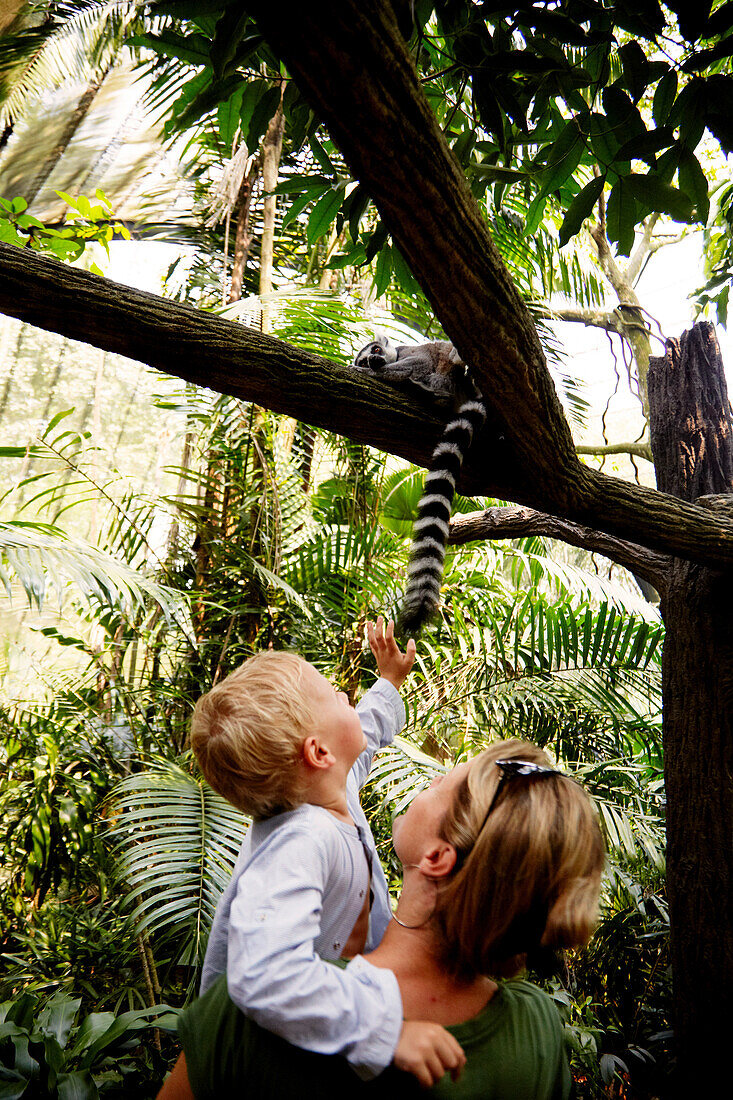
(517, 523)
(691, 440)
(231, 358)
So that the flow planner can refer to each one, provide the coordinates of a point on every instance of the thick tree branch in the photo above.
(517, 523)
(219, 354)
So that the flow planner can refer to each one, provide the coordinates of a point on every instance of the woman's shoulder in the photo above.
(519, 1005)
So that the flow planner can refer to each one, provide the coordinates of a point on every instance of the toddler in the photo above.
(279, 743)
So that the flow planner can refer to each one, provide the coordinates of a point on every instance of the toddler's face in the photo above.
(338, 722)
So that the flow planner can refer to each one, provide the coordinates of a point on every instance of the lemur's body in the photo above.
(437, 368)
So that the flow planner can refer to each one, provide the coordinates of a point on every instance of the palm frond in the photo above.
(175, 842)
(76, 42)
(37, 554)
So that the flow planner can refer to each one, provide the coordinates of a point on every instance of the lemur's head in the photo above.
(376, 354)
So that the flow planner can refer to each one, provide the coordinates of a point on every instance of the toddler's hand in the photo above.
(393, 664)
(428, 1051)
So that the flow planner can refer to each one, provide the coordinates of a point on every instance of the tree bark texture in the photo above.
(206, 350)
(691, 440)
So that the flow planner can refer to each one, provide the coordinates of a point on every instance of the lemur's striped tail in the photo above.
(430, 533)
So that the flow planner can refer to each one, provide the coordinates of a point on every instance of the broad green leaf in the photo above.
(324, 213)
(664, 97)
(643, 146)
(58, 1015)
(228, 115)
(193, 48)
(79, 1085)
(603, 139)
(635, 68)
(653, 194)
(565, 154)
(580, 208)
(383, 271)
(621, 216)
(693, 182)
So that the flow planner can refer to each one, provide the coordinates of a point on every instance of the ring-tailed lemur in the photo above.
(437, 368)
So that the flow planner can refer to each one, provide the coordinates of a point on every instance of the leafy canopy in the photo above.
(569, 102)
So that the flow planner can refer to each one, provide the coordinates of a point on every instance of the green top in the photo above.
(514, 1051)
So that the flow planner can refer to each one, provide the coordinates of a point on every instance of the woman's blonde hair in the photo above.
(528, 875)
(248, 731)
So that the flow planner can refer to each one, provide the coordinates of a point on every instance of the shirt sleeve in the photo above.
(382, 716)
(275, 976)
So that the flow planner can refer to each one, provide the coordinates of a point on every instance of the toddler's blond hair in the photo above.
(248, 731)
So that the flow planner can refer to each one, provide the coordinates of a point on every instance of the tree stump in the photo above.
(693, 454)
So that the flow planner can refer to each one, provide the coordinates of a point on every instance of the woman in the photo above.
(502, 858)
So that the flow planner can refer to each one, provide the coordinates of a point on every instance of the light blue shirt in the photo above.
(297, 889)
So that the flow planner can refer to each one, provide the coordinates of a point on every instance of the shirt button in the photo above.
(337, 946)
(361, 893)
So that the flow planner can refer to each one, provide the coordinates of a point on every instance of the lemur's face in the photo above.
(376, 355)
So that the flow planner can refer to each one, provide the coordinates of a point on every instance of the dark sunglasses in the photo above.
(512, 769)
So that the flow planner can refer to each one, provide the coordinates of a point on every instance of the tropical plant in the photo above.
(48, 1049)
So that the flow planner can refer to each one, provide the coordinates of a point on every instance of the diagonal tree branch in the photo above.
(517, 523)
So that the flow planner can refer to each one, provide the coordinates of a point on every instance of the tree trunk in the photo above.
(691, 440)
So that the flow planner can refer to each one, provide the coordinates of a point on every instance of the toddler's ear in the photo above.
(315, 754)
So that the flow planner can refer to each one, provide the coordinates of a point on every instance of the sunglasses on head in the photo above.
(512, 769)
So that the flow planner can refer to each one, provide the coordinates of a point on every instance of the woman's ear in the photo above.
(439, 861)
(315, 754)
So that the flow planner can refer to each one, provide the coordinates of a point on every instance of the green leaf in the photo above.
(621, 216)
(635, 68)
(296, 207)
(229, 32)
(383, 271)
(228, 115)
(603, 140)
(693, 182)
(621, 113)
(321, 156)
(323, 214)
(653, 194)
(79, 1085)
(534, 214)
(10, 235)
(193, 48)
(643, 146)
(565, 154)
(58, 1015)
(580, 208)
(259, 115)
